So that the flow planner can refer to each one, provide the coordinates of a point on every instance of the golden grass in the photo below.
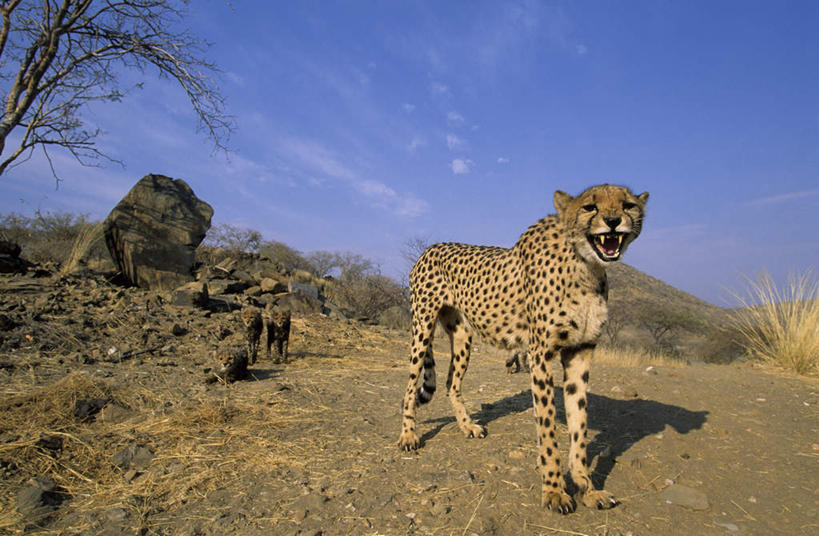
(634, 357)
(781, 326)
(88, 237)
(200, 447)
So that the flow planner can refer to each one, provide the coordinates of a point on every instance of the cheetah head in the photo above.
(602, 221)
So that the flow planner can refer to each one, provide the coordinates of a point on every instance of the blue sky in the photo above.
(364, 124)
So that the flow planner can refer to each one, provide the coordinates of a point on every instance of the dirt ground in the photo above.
(309, 447)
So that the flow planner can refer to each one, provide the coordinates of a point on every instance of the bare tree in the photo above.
(56, 56)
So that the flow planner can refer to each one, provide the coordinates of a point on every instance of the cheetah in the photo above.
(232, 358)
(547, 295)
(518, 361)
(278, 332)
(252, 320)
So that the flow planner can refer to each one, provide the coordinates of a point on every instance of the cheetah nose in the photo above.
(612, 222)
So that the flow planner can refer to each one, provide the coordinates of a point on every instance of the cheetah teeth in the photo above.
(609, 244)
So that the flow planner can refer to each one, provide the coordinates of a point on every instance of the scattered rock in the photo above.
(178, 330)
(307, 290)
(86, 409)
(112, 413)
(39, 497)
(193, 294)
(298, 303)
(226, 286)
(10, 261)
(272, 286)
(726, 524)
(684, 496)
(153, 232)
(134, 457)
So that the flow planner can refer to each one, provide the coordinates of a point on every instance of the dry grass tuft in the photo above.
(781, 326)
(634, 357)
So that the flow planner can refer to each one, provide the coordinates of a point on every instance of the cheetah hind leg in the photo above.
(461, 344)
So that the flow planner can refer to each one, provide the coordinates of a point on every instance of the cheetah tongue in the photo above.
(609, 244)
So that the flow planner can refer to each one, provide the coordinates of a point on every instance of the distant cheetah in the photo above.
(278, 332)
(518, 361)
(252, 320)
(231, 359)
(547, 294)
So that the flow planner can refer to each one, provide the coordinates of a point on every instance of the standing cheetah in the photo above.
(278, 332)
(547, 295)
(252, 320)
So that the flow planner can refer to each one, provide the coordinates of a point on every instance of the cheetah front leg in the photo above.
(576, 370)
(554, 496)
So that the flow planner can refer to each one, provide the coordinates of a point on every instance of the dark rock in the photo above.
(298, 303)
(10, 248)
(272, 286)
(153, 232)
(39, 497)
(254, 291)
(194, 294)
(307, 290)
(178, 330)
(223, 304)
(226, 286)
(245, 277)
(134, 457)
(86, 409)
(50, 443)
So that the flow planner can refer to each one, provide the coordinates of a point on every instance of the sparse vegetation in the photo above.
(781, 326)
(45, 237)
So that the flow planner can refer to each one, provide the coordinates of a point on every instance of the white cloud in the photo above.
(454, 117)
(461, 166)
(503, 160)
(438, 88)
(454, 142)
(409, 108)
(415, 143)
(781, 198)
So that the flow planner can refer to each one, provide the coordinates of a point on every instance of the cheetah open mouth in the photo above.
(607, 245)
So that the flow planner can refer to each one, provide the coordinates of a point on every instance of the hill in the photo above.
(648, 313)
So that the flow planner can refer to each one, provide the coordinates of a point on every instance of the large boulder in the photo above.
(153, 232)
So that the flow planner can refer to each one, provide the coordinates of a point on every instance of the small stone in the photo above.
(684, 496)
(131, 475)
(726, 524)
(516, 455)
(178, 330)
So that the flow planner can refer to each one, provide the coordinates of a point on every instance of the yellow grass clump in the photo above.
(634, 357)
(781, 326)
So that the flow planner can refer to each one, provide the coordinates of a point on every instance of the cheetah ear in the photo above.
(561, 200)
(643, 197)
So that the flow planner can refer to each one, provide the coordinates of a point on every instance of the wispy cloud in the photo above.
(454, 118)
(438, 88)
(315, 158)
(409, 108)
(782, 198)
(461, 166)
(416, 143)
(455, 143)
(503, 160)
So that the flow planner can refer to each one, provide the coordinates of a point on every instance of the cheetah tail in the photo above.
(427, 389)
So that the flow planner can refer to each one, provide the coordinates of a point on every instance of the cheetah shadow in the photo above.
(619, 423)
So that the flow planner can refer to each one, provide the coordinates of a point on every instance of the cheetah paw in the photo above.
(474, 430)
(558, 501)
(600, 499)
(409, 441)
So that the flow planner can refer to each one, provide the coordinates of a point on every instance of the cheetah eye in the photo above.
(589, 208)
(628, 205)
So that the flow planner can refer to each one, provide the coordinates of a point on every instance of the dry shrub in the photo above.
(781, 326)
(88, 246)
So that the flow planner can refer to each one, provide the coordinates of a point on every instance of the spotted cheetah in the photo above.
(232, 359)
(547, 295)
(252, 320)
(278, 332)
(519, 360)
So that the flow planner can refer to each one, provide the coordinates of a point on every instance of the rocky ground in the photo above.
(108, 427)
